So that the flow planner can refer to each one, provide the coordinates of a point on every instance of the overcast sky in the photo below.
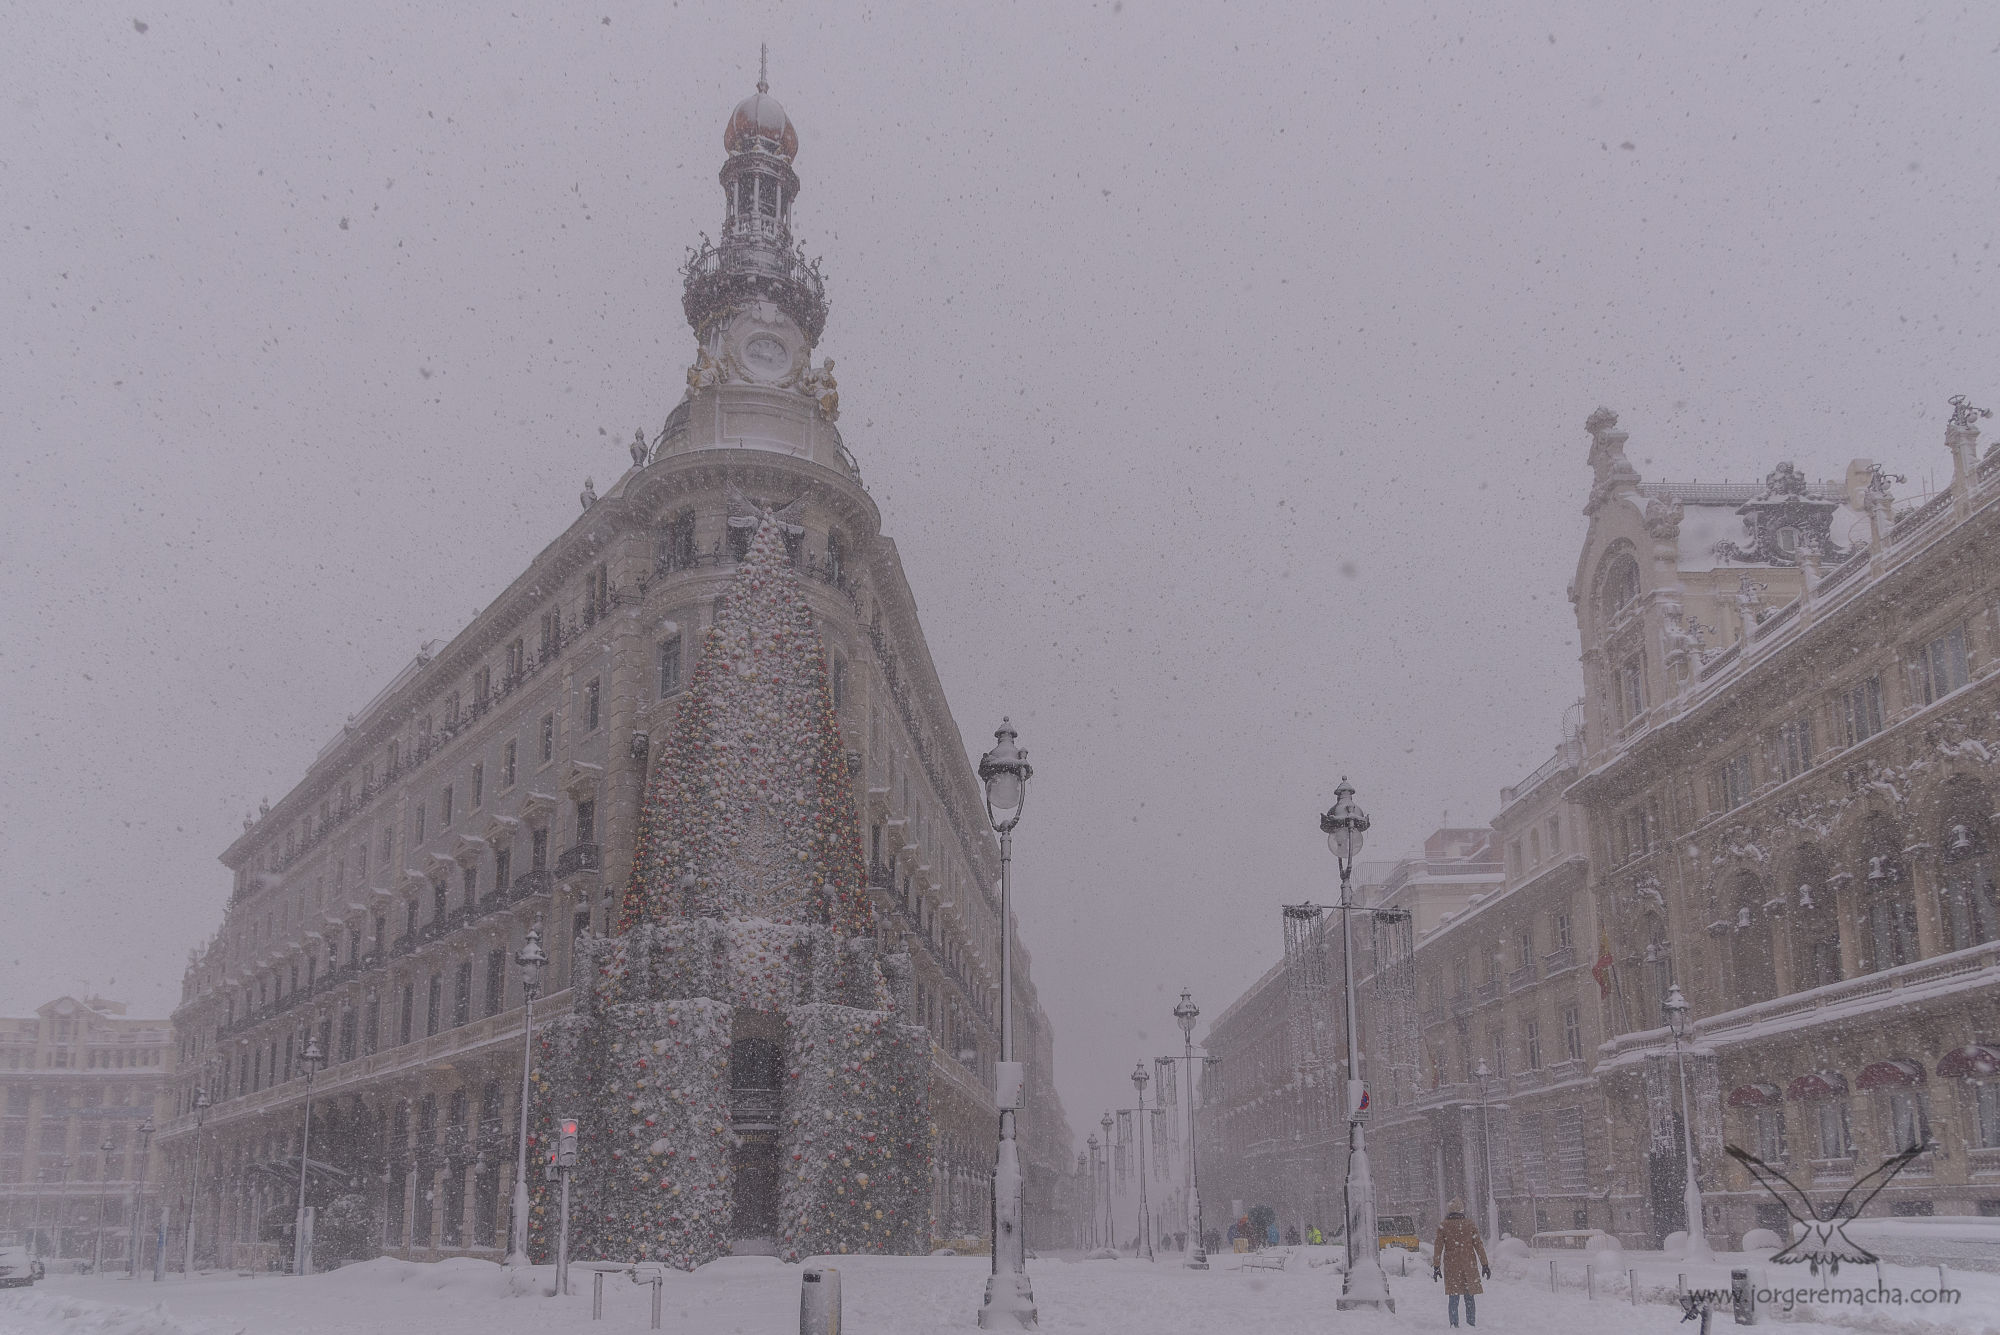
(1220, 373)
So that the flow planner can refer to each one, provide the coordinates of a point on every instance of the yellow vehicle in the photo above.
(1396, 1230)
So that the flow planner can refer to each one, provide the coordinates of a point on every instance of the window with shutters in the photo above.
(1941, 666)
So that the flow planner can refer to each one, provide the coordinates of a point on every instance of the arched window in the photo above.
(1885, 891)
(1815, 911)
(1970, 903)
(1619, 585)
(1750, 944)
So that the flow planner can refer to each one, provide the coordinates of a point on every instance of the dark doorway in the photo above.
(1666, 1185)
(755, 1221)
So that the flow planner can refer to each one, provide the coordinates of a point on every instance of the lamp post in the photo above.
(62, 1201)
(531, 957)
(1365, 1285)
(194, 1179)
(1091, 1140)
(1185, 1014)
(1139, 1081)
(1110, 1218)
(1009, 1299)
(132, 1247)
(1485, 1077)
(103, 1185)
(302, 1223)
(1678, 1016)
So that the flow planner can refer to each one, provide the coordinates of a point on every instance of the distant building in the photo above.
(377, 907)
(75, 1076)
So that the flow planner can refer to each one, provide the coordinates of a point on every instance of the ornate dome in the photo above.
(761, 116)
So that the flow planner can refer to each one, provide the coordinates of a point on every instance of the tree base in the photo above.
(1010, 1304)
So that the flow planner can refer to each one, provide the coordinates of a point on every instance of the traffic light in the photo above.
(566, 1143)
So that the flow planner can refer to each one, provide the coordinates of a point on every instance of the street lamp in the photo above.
(302, 1225)
(1185, 1014)
(194, 1178)
(132, 1247)
(1091, 1140)
(62, 1200)
(1365, 1285)
(1009, 1298)
(531, 957)
(1678, 1016)
(103, 1182)
(1110, 1219)
(1139, 1081)
(1485, 1077)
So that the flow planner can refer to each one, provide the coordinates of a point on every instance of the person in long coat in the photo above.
(1459, 1258)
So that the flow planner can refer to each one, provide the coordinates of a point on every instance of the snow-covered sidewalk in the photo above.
(887, 1296)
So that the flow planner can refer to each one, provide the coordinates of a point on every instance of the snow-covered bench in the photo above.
(1271, 1260)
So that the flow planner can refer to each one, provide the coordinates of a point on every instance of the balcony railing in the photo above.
(1521, 977)
(536, 882)
(579, 858)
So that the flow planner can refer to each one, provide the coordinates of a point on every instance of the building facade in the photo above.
(82, 1087)
(1788, 767)
(376, 909)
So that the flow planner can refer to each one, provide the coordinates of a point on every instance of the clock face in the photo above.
(766, 356)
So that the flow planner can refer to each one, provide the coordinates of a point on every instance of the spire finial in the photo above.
(763, 67)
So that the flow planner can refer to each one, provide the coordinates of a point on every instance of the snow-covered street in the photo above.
(908, 1295)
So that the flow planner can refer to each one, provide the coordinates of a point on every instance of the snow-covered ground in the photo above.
(909, 1295)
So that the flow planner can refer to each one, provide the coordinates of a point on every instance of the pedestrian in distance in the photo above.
(1458, 1257)
(1314, 1236)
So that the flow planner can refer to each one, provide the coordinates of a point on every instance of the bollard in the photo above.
(819, 1301)
(1944, 1281)
(658, 1282)
(1632, 1285)
(1590, 1282)
(1552, 1276)
(1681, 1282)
(1743, 1298)
(597, 1295)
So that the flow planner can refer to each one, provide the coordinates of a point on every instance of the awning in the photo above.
(1760, 1094)
(1896, 1073)
(1819, 1085)
(1974, 1061)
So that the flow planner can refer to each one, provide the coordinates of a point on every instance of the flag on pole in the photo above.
(1601, 971)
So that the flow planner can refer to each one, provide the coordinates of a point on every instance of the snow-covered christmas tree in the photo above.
(736, 1054)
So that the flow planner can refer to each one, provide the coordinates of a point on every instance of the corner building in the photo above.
(499, 780)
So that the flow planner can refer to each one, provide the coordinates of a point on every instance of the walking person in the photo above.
(1458, 1256)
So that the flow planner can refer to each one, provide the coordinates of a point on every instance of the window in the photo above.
(409, 1013)
(1534, 848)
(496, 982)
(1732, 782)
(469, 878)
(1533, 1036)
(461, 994)
(739, 543)
(517, 663)
(1630, 686)
(419, 825)
(836, 558)
(551, 634)
(450, 709)
(548, 738)
(1971, 902)
(538, 855)
(1572, 1034)
(1986, 1108)
(1621, 585)
(478, 785)
(507, 755)
(677, 543)
(1633, 835)
(388, 844)
(1941, 667)
(586, 821)
(1795, 747)
(371, 1026)
(1561, 921)
(434, 1010)
(1500, 1054)
(1555, 835)
(1524, 946)
(503, 869)
(1909, 1119)
(348, 1023)
(482, 685)
(670, 665)
(1771, 1135)
(1831, 1128)
(439, 901)
(591, 698)
(444, 808)
(1859, 711)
